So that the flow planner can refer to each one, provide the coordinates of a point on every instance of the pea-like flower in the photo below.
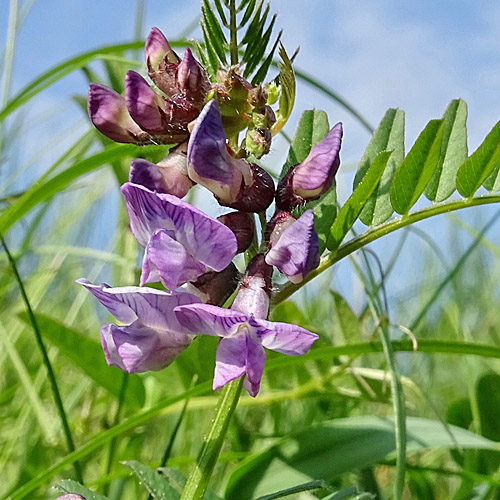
(152, 337)
(181, 241)
(294, 245)
(314, 176)
(235, 182)
(245, 331)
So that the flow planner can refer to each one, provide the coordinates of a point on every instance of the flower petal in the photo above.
(156, 49)
(153, 308)
(169, 258)
(209, 320)
(315, 174)
(256, 357)
(143, 103)
(282, 337)
(206, 239)
(230, 360)
(109, 114)
(296, 252)
(138, 348)
(209, 163)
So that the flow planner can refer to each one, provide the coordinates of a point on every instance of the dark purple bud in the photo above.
(168, 176)
(108, 112)
(314, 176)
(157, 49)
(255, 196)
(215, 287)
(295, 251)
(275, 227)
(255, 290)
(242, 225)
(158, 116)
(192, 79)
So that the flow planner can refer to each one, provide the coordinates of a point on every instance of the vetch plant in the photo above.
(209, 118)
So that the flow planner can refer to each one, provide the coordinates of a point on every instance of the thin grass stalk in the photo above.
(46, 360)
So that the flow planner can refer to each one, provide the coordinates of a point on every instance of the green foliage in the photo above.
(88, 356)
(389, 136)
(332, 448)
(70, 486)
(158, 486)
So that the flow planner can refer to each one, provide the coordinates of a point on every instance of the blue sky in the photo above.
(377, 54)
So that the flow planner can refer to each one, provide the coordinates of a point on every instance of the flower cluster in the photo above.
(190, 253)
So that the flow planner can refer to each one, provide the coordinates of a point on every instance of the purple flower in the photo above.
(168, 176)
(109, 114)
(314, 176)
(234, 182)
(153, 336)
(294, 246)
(180, 240)
(241, 349)
(245, 330)
(71, 496)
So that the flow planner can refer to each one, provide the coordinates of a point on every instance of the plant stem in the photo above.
(46, 360)
(379, 231)
(200, 476)
(233, 45)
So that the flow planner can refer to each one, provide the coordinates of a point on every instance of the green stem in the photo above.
(200, 476)
(382, 230)
(233, 48)
(46, 360)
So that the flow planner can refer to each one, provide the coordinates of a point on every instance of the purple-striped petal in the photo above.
(296, 252)
(71, 496)
(314, 176)
(282, 337)
(157, 49)
(170, 261)
(138, 348)
(206, 239)
(143, 103)
(209, 162)
(154, 308)
(209, 320)
(230, 360)
(109, 114)
(256, 357)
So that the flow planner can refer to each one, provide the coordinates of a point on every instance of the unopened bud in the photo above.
(242, 225)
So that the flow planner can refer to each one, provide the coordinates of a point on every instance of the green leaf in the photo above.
(286, 80)
(248, 12)
(158, 486)
(87, 354)
(312, 128)
(211, 53)
(453, 152)
(333, 448)
(353, 206)
(488, 402)
(417, 168)
(43, 190)
(311, 485)
(345, 322)
(389, 136)
(325, 212)
(257, 49)
(70, 486)
(288, 312)
(213, 31)
(264, 68)
(476, 169)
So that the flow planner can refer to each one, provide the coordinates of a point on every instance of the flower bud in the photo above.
(192, 79)
(158, 50)
(314, 176)
(234, 182)
(108, 111)
(155, 114)
(242, 225)
(214, 287)
(294, 246)
(258, 142)
(168, 176)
